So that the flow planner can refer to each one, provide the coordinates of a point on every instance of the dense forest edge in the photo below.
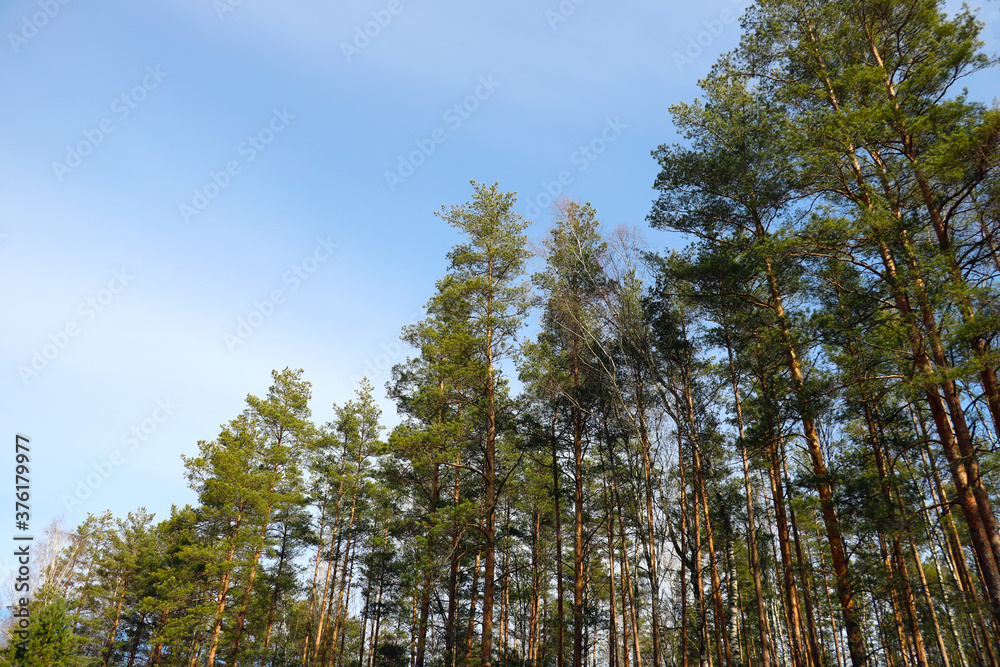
(778, 446)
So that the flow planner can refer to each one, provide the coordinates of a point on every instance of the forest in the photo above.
(775, 446)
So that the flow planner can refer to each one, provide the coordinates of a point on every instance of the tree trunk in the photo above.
(220, 601)
(791, 597)
(824, 487)
(489, 480)
(578, 546)
(536, 585)
(560, 652)
(472, 609)
(814, 650)
(631, 621)
(647, 468)
(333, 558)
(220, 608)
(451, 623)
(110, 644)
(755, 568)
(610, 520)
(276, 593)
(315, 580)
(722, 647)
(425, 594)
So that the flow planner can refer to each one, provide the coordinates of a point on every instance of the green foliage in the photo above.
(840, 197)
(49, 640)
(391, 655)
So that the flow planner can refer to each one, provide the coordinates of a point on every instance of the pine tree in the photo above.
(485, 275)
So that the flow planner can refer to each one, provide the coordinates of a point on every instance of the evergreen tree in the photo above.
(485, 275)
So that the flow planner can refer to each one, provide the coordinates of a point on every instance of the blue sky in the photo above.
(172, 168)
